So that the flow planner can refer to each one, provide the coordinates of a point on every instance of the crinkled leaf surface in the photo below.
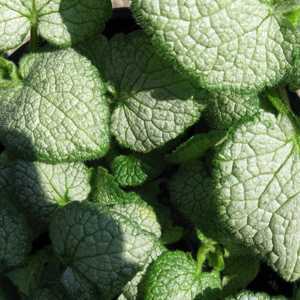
(130, 291)
(254, 296)
(34, 273)
(224, 109)
(15, 237)
(174, 275)
(41, 188)
(257, 185)
(59, 113)
(106, 246)
(153, 104)
(222, 44)
(107, 191)
(130, 170)
(60, 22)
(77, 287)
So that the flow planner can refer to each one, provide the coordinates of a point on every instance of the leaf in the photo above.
(60, 22)
(42, 188)
(254, 296)
(195, 147)
(9, 76)
(107, 246)
(130, 170)
(59, 113)
(48, 294)
(152, 103)
(106, 190)
(15, 237)
(190, 192)
(174, 275)
(6, 179)
(234, 45)
(35, 273)
(256, 177)
(130, 291)
(77, 286)
(239, 272)
(227, 108)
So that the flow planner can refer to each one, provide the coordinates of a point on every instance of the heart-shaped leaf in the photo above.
(60, 22)
(257, 190)
(58, 112)
(221, 44)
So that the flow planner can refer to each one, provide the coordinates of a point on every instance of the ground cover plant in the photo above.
(156, 162)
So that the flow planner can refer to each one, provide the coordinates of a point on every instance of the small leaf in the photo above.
(174, 275)
(130, 171)
(107, 191)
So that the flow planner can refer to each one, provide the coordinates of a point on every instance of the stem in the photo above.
(34, 28)
(201, 255)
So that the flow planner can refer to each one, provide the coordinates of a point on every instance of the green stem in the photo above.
(202, 255)
(34, 28)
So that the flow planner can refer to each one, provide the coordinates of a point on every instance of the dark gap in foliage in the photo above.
(121, 21)
(41, 242)
(295, 102)
(269, 282)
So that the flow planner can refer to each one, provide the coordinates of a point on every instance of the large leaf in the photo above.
(42, 188)
(15, 237)
(221, 44)
(153, 103)
(257, 187)
(58, 112)
(107, 246)
(60, 22)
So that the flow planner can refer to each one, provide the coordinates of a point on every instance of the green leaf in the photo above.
(48, 294)
(174, 275)
(6, 179)
(256, 177)
(245, 295)
(221, 44)
(152, 103)
(42, 188)
(59, 113)
(77, 287)
(130, 170)
(9, 76)
(15, 237)
(226, 108)
(35, 273)
(190, 192)
(195, 147)
(130, 291)
(238, 273)
(107, 246)
(59, 22)
(107, 191)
